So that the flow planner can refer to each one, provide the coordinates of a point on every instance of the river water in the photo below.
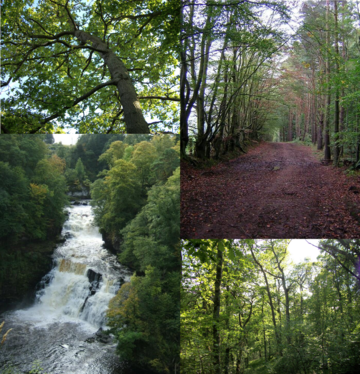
(58, 331)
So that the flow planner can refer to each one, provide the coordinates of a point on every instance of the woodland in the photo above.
(246, 307)
(97, 66)
(134, 184)
(270, 70)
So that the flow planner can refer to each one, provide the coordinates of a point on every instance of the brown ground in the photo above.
(276, 190)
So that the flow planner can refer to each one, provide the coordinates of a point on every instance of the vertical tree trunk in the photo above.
(216, 312)
(327, 153)
(337, 93)
(269, 296)
(184, 134)
(290, 137)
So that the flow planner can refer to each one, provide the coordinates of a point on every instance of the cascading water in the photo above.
(71, 304)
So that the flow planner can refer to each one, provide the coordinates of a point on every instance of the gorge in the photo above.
(60, 331)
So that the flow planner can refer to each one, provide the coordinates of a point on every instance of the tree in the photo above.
(80, 170)
(319, 300)
(143, 156)
(145, 314)
(49, 139)
(117, 197)
(80, 64)
(32, 189)
(225, 69)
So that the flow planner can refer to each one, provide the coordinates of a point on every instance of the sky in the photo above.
(70, 139)
(300, 249)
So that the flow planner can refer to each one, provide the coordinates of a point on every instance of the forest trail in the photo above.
(276, 190)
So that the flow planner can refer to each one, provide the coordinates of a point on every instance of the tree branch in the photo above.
(159, 98)
(77, 101)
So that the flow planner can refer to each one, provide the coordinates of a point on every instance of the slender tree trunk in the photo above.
(184, 90)
(216, 313)
(320, 132)
(337, 94)
(327, 153)
(290, 137)
(269, 296)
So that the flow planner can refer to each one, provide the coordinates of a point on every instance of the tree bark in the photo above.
(134, 120)
(216, 312)
(337, 94)
(327, 153)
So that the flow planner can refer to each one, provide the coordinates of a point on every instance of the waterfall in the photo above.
(60, 329)
(84, 278)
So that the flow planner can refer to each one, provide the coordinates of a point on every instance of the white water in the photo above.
(66, 296)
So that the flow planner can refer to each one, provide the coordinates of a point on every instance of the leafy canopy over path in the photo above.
(277, 190)
(88, 63)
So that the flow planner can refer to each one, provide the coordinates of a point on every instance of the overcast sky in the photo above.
(66, 139)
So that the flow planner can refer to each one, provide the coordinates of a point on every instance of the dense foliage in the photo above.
(246, 309)
(89, 64)
(32, 188)
(137, 203)
(121, 190)
(32, 200)
(135, 187)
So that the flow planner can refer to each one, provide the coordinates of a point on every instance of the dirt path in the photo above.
(276, 190)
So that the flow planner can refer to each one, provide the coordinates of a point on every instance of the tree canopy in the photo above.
(32, 188)
(89, 65)
(246, 308)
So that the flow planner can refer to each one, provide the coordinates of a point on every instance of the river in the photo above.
(59, 330)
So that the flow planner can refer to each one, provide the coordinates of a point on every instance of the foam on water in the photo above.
(68, 293)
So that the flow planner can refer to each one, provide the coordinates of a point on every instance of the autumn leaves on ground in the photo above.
(276, 190)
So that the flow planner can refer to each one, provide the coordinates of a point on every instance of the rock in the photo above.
(68, 235)
(60, 240)
(64, 346)
(94, 279)
(102, 336)
(90, 340)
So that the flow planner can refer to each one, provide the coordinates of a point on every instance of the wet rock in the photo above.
(94, 277)
(102, 336)
(68, 235)
(60, 240)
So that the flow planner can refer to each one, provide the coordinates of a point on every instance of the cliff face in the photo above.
(22, 265)
(111, 243)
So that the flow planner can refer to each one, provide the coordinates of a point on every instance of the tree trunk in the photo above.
(337, 94)
(269, 295)
(290, 137)
(134, 120)
(216, 312)
(327, 153)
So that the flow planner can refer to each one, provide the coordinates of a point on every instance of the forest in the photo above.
(270, 70)
(134, 185)
(96, 66)
(246, 307)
